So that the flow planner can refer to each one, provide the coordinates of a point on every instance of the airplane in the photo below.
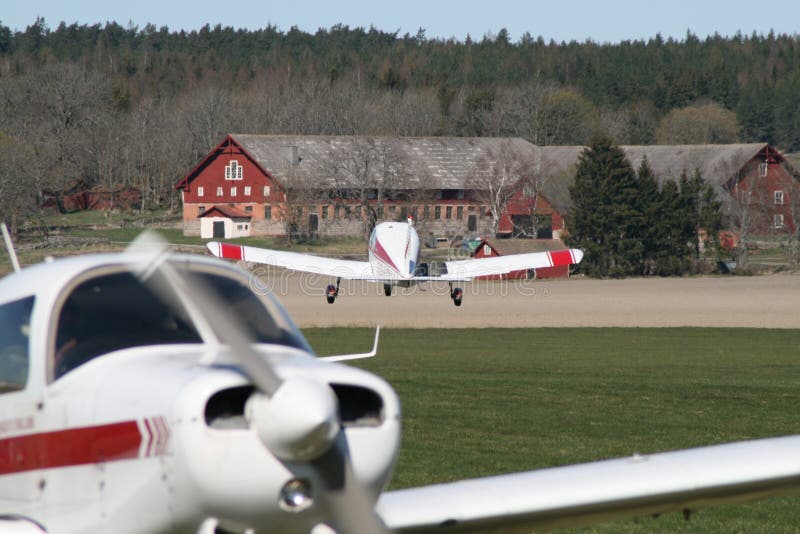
(130, 404)
(394, 261)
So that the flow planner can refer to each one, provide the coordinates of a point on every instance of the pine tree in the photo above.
(671, 259)
(705, 216)
(653, 229)
(604, 219)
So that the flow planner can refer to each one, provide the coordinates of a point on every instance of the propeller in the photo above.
(296, 418)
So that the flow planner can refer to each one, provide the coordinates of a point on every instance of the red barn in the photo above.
(230, 176)
(767, 188)
(530, 215)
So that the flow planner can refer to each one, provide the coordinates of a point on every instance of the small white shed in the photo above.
(224, 222)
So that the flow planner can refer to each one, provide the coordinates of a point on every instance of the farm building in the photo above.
(337, 185)
(224, 221)
(340, 185)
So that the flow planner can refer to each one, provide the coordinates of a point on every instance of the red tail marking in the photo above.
(231, 252)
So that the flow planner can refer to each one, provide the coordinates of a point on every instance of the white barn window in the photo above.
(778, 197)
(763, 167)
(247, 190)
(778, 220)
(233, 191)
(219, 191)
(266, 190)
(200, 191)
(233, 171)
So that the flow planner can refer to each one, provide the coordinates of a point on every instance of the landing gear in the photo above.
(331, 292)
(456, 294)
(387, 290)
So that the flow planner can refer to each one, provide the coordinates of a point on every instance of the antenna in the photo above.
(10, 247)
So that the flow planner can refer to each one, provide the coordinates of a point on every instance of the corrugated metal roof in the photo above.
(427, 162)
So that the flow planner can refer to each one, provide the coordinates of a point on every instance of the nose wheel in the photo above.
(456, 294)
(331, 292)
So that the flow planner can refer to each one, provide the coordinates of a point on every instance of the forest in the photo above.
(108, 106)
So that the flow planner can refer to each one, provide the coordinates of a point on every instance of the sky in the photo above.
(561, 20)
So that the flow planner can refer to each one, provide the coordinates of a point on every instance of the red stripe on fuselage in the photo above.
(232, 252)
(561, 257)
(75, 446)
(382, 255)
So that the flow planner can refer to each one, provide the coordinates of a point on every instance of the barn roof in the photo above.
(226, 211)
(423, 162)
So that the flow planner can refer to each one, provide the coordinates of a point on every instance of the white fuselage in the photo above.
(394, 251)
(128, 442)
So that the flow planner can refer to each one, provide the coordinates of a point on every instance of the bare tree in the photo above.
(364, 173)
(16, 199)
(497, 176)
(791, 240)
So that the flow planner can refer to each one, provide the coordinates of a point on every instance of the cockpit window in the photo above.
(15, 319)
(113, 312)
(117, 311)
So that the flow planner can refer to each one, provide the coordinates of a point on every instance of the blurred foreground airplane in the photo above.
(145, 392)
(394, 261)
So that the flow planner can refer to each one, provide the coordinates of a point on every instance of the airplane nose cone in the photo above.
(299, 422)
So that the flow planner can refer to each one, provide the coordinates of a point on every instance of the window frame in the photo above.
(234, 171)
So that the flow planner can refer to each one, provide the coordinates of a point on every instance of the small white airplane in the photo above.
(129, 403)
(394, 261)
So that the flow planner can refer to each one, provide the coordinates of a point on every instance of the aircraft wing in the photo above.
(600, 491)
(348, 269)
(466, 269)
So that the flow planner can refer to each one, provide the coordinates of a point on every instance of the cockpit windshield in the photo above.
(115, 311)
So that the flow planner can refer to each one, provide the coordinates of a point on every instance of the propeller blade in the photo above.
(344, 500)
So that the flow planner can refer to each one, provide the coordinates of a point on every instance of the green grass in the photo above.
(478, 402)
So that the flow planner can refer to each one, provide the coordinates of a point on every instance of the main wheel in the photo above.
(330, 294)
(457, 295)
(387, 290)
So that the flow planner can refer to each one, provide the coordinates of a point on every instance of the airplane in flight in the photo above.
(130, 404)
(394, 261)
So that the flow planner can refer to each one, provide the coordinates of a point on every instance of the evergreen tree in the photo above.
(653, 230)
(672, 256)
(604, 218)
(704, 213)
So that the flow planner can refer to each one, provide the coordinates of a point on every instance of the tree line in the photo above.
(110, 105)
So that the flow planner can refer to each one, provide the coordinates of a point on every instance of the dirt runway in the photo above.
(769, 301)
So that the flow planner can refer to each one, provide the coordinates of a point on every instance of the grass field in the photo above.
(487, 401)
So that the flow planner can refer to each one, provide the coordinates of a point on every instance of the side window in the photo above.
(15, 320)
